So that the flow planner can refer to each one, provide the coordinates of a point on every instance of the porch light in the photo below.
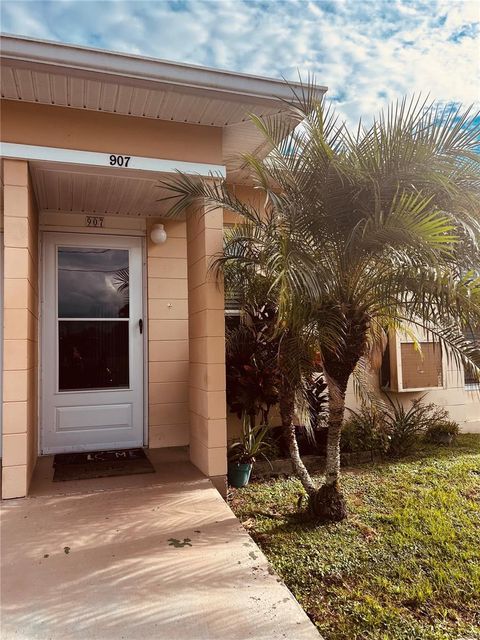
(158, 235)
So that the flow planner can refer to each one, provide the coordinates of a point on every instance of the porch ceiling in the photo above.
(94, 190)
(81, 78)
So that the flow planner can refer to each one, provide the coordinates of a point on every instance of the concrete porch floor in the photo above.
(93, 559)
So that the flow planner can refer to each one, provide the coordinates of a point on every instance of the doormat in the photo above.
(100, 464)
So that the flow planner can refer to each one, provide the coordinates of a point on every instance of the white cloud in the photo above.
(367, 52)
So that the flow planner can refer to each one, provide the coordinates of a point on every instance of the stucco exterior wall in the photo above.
(20, 360)
(462, 403)
(168, 352)
(207, 405)
(44, 125)
(166, 305)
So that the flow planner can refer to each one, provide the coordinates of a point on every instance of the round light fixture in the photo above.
(158, 235)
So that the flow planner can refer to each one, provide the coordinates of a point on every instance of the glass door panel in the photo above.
(93, 283)
(93, 318)
(93, 355)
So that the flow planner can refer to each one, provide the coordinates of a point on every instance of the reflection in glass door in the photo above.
(92, 346)
(93, 318)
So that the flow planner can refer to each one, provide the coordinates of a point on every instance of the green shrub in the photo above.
(364, 431)
(397, 430)
(406, 426)
(441, 429)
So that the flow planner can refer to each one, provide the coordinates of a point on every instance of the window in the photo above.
(472, 335)
(385, 370)
(232, 311)
(232, 302)
(93, 313)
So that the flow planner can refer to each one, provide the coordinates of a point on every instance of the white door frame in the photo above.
(70, 236)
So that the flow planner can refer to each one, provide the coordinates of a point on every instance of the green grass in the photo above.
(405, 565)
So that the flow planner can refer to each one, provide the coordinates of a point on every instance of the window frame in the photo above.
(468, 385)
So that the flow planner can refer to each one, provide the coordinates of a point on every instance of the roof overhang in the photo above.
(83, 78)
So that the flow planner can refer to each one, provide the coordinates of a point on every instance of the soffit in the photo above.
(81, 90)
(96, 191)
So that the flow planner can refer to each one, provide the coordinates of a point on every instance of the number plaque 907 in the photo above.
(119, 161)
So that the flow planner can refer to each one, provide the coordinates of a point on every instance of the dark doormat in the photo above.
(100, 464)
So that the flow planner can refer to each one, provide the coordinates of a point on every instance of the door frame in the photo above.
(41, 322)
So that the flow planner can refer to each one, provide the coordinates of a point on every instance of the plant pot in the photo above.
(239, 474)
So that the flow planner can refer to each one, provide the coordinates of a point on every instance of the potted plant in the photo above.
(243, 453)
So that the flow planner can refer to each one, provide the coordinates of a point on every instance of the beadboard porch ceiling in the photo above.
(63, 188)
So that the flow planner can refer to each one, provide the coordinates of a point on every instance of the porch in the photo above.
(172, 390)
(154, 556)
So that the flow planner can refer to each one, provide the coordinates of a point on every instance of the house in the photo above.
(92, 360)
(113, 327)
(431, 375)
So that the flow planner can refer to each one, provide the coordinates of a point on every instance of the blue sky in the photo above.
(367, 51)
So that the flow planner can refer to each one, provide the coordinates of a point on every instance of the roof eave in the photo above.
(50, 55)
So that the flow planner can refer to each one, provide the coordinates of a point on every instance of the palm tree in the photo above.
(291, 347)
(362, 233)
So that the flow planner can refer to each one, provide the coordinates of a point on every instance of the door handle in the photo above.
(140, 325)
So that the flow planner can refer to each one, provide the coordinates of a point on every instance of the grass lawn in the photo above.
(407, 562)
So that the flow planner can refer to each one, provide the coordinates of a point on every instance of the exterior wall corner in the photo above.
(206, 323)
(20, 337)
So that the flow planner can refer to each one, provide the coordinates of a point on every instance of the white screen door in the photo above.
(92, 343)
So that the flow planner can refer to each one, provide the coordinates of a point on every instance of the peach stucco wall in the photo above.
(166, 303)
(168, 353)
(65, 128)
(461, 401)
(185, 404)
(20, 347)
(207, 406)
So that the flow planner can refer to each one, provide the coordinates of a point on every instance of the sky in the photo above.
(368, 52)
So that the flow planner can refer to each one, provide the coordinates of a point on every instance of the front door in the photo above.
(92, 343)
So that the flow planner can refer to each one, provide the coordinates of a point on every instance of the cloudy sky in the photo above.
(366, 51)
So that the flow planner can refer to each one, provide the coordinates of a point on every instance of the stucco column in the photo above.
(168, 337)
(20, 330)
(206, 322)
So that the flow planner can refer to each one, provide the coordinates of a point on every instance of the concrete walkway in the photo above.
(108, 560)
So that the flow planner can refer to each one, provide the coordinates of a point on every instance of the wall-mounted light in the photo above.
(158, 235)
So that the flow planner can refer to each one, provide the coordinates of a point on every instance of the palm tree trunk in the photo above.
(328, 504)
(287, 408)
(336, 414)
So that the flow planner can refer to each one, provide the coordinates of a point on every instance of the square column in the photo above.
(20, 334)
(168, 337)
(206, 323)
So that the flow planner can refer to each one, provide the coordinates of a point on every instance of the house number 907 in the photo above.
(119, 161)
(94, 221)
